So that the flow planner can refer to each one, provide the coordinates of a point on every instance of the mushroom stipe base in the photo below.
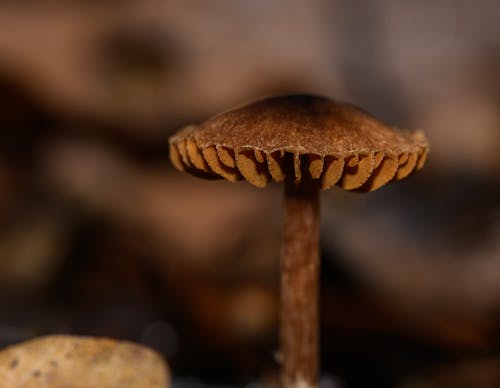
(300, 264)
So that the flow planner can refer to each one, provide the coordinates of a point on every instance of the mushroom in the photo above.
(310, 143)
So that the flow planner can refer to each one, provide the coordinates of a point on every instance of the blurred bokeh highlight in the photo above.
(99, 235)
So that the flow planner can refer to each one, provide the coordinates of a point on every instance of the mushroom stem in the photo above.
(299, 286)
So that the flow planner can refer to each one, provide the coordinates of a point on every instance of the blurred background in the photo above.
(99, 235)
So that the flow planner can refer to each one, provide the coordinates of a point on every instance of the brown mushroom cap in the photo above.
(300, 136)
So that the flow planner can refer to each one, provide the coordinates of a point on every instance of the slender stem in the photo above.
(299, 286)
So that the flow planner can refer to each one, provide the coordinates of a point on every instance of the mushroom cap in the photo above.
(299, 137)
